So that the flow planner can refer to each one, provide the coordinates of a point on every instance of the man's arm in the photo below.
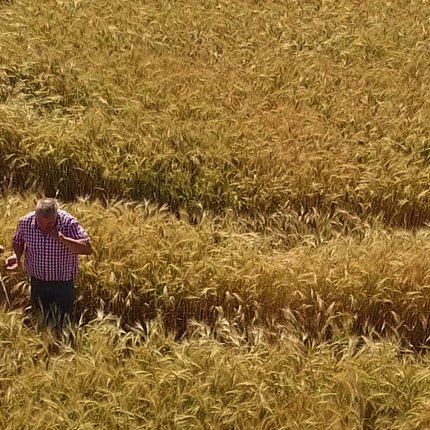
(74, 237)
(18, 249)
(18, 246)
(77, 246)
(13, 261)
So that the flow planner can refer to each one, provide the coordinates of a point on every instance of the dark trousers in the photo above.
(53, 300)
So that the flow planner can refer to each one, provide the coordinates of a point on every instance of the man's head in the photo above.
(46, 214)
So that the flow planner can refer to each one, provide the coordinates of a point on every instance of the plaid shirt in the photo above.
(46, 258)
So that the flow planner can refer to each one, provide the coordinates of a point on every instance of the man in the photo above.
(50, 240)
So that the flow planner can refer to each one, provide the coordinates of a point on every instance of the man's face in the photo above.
(46, 223)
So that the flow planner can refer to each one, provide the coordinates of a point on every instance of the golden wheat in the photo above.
(245, 170)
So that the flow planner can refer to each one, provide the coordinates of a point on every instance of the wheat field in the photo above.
(254, 178)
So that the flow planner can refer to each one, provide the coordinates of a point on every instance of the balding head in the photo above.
(46, 207)
(46, 214)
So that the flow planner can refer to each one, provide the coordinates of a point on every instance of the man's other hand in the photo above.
(12, 262)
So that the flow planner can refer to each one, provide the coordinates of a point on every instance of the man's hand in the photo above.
(1, 249)
(12, 262)
(55, 234)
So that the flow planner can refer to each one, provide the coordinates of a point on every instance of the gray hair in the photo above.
(46, 207)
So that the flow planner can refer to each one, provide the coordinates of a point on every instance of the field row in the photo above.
(145, 380)
(262, 110)
(148, 261)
